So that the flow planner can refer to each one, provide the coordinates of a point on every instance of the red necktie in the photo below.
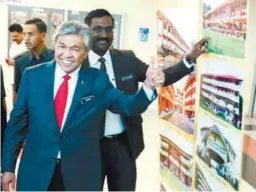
(61, 100)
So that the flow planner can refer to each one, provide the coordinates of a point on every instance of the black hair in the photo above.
(40, 24)
(97, 13)
(15, 27)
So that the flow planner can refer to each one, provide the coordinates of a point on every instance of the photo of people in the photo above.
(219, 148)
(225, 22)
(221, 89)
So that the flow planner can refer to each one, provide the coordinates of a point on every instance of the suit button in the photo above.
(62, 136)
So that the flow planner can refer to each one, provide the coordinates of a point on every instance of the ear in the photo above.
(43, 35)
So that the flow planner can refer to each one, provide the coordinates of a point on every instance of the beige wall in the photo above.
(137, 13)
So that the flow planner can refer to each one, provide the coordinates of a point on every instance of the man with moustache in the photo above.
(34, 36)
(123, 137)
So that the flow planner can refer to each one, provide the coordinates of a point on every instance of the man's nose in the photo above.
(67, 53)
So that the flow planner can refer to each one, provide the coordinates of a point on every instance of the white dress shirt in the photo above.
(17, 49)
(58, 79)
(113, 123)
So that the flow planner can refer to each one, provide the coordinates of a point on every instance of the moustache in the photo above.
(103, 39)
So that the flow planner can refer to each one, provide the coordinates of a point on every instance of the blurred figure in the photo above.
(18, 46)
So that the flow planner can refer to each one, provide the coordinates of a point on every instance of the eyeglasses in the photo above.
(99, 29)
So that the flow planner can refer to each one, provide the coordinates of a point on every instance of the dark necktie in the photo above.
(103, 68)
(102, 64)
(60, 100)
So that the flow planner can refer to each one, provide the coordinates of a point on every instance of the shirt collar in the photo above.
(41, 56)
(93, 57)
(59, 73)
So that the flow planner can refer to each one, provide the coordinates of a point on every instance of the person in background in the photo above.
(18, 45)
(34, 37)
(123, 136)
(58, 110)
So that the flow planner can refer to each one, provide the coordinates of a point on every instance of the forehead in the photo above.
(14, 34)
(102, 21)
(71, 40)
(30, 28)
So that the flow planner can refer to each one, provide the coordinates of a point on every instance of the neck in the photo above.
(38, 50)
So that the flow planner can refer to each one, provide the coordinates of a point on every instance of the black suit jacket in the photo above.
(129, 71)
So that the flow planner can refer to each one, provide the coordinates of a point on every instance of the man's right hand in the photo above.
(8, 181)
(10, 62)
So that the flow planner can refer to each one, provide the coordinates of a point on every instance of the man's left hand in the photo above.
(154, 76)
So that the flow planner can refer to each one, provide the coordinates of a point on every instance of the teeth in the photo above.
(66, 61)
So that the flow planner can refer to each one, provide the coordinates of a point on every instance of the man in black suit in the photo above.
(123, 137)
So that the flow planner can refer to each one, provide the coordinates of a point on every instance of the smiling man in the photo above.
(61, 119)
(123, 137)
(34, 37)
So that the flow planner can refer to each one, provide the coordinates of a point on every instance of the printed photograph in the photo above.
(221, 90)
(176, 160)
(225, 22)
(220, 149)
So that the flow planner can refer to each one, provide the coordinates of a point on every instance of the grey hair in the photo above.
(74, 28)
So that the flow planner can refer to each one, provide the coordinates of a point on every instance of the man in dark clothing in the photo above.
(3, 108)
(123, 136)
(34, 36)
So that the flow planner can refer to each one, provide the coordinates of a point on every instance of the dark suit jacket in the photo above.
(33, 117)
(129, 71)
(27, 60)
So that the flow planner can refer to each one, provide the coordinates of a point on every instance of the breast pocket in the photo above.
(129, 84)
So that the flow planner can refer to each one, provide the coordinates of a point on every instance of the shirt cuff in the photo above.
(149, 93)
(187, 64)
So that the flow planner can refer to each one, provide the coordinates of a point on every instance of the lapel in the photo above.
(49, 87)
(117, 68)
(83, 86)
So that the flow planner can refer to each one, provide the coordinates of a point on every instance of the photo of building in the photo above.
(176, 158)
(189, 96)
(220, 95)
(215, 149)
(169, 41)
(177, 103)
(226, 24)
(201, 183)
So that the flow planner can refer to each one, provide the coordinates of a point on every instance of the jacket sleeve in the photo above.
(129, 105)
(140, 68)
(16, 128)
(176, 72)
(17, 75)
(172, 74)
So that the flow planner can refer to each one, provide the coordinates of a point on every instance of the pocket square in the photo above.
(86, 99)
(127, 77)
